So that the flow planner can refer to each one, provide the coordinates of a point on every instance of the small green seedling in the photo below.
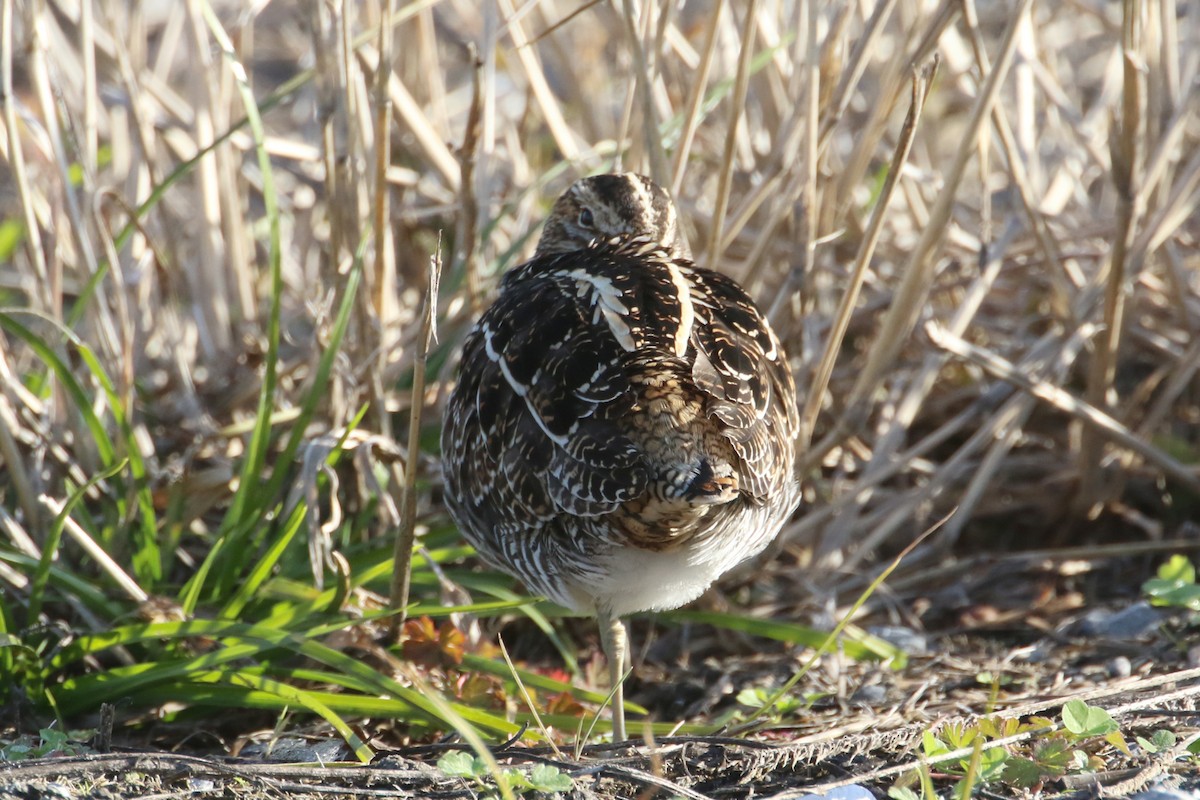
(542, 778)
(1083, 720)
(53, 742)
(1175, 586)
(1041, 753)
(992, 760)
(759, 696)
(1159, 742)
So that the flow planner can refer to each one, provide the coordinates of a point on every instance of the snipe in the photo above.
(621, 432)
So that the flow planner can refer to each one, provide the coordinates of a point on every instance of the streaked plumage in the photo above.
(622, 429)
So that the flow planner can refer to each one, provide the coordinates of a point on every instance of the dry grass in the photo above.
(1010, 340)
(1047, 214)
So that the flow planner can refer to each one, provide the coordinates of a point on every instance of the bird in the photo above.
(621, 430)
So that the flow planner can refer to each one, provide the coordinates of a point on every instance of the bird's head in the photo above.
(604, 206)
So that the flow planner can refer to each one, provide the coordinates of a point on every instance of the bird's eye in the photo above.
(586, 220)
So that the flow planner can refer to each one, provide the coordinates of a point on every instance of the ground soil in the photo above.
(1011, 638)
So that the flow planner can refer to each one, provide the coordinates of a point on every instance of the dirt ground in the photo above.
(1010, 639)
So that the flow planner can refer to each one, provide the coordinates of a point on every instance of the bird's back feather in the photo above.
(618, 398)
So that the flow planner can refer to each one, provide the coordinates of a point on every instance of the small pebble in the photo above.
(1131, 622)
(291, 748)
(908, 640)
(1040, 652)
(1120, 667)
(851, 792)
(870, 695)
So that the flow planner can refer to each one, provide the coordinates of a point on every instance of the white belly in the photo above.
(643, 580)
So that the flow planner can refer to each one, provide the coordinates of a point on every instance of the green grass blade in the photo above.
(316, 393)
(208, 689)
(41, 574)
(78, 397)
(82, 589)
(173, 177)
(262, 570)
(313, 396)
(493, 584)
(146, 558)
(189, 595)
(311, 701)
(238, 641)
(671, 129)
(857, 644)
(538, 681)
(247, 496)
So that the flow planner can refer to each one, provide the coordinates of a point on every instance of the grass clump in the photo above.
(998, 753)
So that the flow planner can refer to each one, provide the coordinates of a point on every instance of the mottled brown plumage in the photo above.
(622, 429)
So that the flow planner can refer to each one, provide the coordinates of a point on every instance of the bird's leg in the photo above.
(616, 650)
